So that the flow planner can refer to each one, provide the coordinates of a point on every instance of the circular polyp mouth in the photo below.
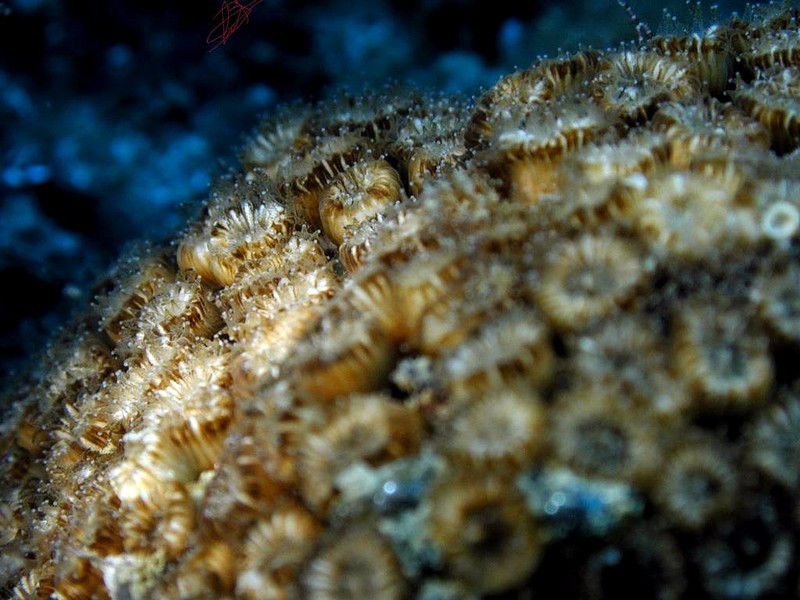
(780, 221)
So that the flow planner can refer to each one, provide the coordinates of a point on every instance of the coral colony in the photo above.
(542, 346)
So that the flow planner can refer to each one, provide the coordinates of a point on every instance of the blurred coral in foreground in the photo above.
(542, 345)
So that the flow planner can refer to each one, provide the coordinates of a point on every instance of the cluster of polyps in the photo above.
(423, 349)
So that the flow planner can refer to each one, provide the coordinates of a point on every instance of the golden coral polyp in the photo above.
(274, 144)
(698, 484)
(485, 535)
(547, 82)
(603, 182)
(317, 167)
(373, 429)
(598, 435)
(149, 276)
(778, 298)
(710, 55)
(209, 571)
(356, 195)
(357, 359)
(449, 323)
(513, 346)
(274, 551)
(530, 145)
(723, 357)
(626, 357)
(772, 99)
(631, 85)
(694, 129)
(161, 523)
(233, 235)
(359, 564)
(420, 284)
(500, 428)
(177, 451)
(79, 578)
(588, 279)
(269, 292)
(549, 132)
(774, 48)
(688, 215)
(180, 312)
(773, 443)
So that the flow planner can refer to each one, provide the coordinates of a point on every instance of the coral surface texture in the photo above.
(540, 345)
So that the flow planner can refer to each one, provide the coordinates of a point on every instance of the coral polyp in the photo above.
(418, 348)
